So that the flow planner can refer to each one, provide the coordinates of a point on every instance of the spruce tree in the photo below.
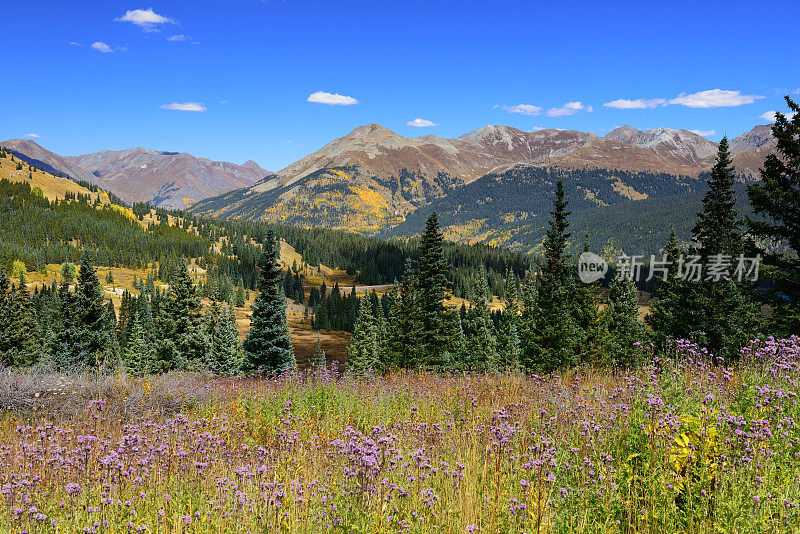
(586, 313)
(508, 337)
(19, 328)
(620, 320)
(225, 345)
(138, 355)
(480, 353)
(318, 360)
(776, 200)
(267, 346)
(718, 228)
(552, 337)
(94, 346)
(362, 353)
(432, 280)
(184, 342)
(729, 318)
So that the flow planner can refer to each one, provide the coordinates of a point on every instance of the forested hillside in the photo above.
(630, 211)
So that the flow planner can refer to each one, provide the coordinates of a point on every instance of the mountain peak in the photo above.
(756, 138)
(490, 131)
(623, 134)
(371, 131)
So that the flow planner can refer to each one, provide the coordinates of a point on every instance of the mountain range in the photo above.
(373, 180)
(172, 180)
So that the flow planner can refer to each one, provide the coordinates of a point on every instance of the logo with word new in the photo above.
(591, 267)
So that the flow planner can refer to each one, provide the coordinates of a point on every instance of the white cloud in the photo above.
(185, 106)
(288, 141)
(537, 128)
(589, 109)
(570, 108)
(714, 98)
(522, 109)
(421, 123)
(32, 135)
(180, 37)
(147, 19)
(796, 91)
(639, 103)
(321, 97)
(102, 47)
(223, 102)
(75, 43)
(770, 116)
(703, 133)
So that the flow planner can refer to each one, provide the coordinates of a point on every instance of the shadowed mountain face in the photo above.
(165, 179)
(372, 178)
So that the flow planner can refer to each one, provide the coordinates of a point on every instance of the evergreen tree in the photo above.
(267, 346)
(508, 338)
(318, 360)
(184, 342)
(407, 349)
(362, 353)
(138, 355)
(225, 346)
(481, 345)
(19, 329)
(586, 314)
(718, 226)
(240, 300)
(620, 319)
(433, 284)
(552, 336)
(94, 346)
(776, 199)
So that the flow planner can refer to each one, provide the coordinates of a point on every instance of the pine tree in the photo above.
(240, 300)
(407, 349)
(552, 337)
(94, 346)
(19, 329)
(776, 199)
(225, 345)
(481, 345)
(718, 226)
(432, 280)
(184, 343)
(620, 319)
(508, 339)
(138, 355)
(318, 360)
(362, 353)
(267, 346)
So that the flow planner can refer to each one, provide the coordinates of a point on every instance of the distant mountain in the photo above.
(31, 152)
(372, 178)
(165, 179)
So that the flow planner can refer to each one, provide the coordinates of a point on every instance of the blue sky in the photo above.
(86, 76)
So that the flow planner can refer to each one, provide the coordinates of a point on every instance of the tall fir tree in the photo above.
(552, 337)
(138, 355)
(267, 346)
(19, 328)
(508, 337)
(620, 320)
(319, 360)
(718, 228)
(362, 353)
(730, 319)
(184, 342)
(480, 353)
(93, 346)
(225, 345)
(433, 284)
(776, 201)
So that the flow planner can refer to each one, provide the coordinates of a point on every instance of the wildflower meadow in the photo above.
(679, 445)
